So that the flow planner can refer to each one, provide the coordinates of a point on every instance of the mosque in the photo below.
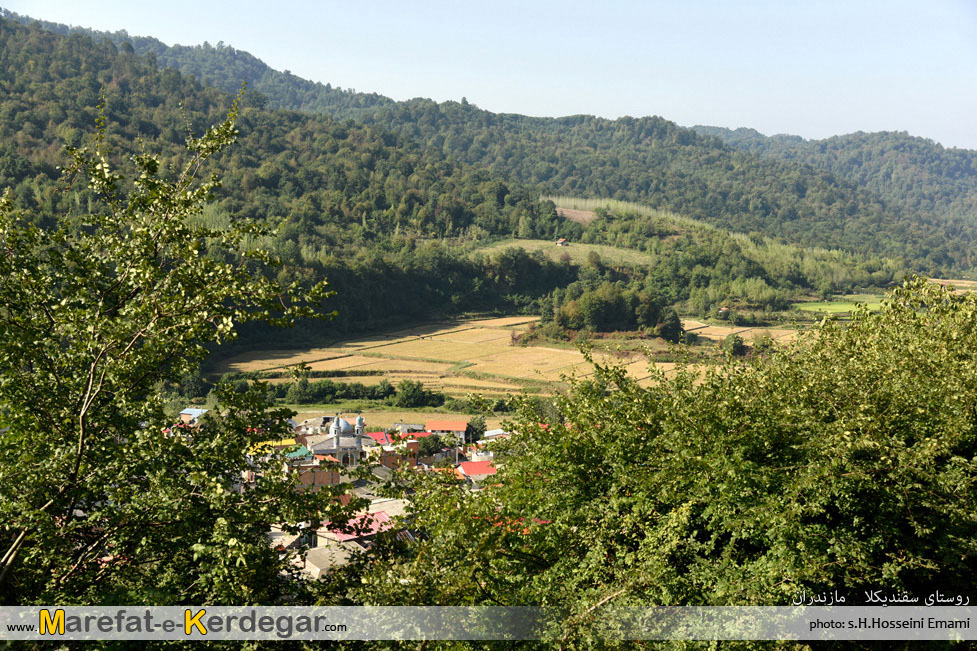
(342, 440)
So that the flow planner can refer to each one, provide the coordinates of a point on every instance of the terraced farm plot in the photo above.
(476, 336)
(406, 366)
(719, 333)
(782, 334)
(433, 349)
(690, 325)
(959, 286)
(533, 363)
(342, 363)
(264, 360)
(504, 321)
(475, 384)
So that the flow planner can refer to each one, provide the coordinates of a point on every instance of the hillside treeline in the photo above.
(916, 173)
(795, 199)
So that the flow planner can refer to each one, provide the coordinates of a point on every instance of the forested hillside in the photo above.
(647, 159)
(918, 174)
(354, 203)
(388, 222)
(845, 461)
(224, 67)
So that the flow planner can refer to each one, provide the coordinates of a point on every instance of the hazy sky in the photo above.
(815, 69)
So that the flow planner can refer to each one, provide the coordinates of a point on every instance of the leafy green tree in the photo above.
(475, 429)
(733, 344)
(193, 386)
(410, 393)
(429, 445)
(847, 460)
(113, 502)
(299, 393)
(670, 327)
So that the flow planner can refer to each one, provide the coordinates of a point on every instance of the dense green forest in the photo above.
(647, 159)
(389, 222)
(916, 173)
(224, 67)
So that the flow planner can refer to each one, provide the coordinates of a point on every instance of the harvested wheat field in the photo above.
(461, 357)
(959, 286)
(396, 364)
(476, 336)
(718, 333)
(504, 321)
(264, 360)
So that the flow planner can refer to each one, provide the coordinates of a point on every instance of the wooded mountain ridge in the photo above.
(916, 173)
(873, 208)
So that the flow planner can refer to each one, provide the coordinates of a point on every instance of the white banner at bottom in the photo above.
(485, 623)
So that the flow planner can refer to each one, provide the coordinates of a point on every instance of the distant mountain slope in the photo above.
(656, 162)
(225, 68)
(915, 173)
(341, 184)
(649, 159)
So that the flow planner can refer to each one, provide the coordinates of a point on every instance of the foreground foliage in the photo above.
(104, 499)
(845, 462)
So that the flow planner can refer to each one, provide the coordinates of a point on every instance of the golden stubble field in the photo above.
(719, 333)
(476, 356)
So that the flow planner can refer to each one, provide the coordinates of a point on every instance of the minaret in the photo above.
(360, 425)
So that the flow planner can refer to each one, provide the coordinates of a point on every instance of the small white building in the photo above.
(455, 428)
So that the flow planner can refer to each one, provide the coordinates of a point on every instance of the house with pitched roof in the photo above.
(476, 472)
(454, 428)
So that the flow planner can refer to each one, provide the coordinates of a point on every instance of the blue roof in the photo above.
(302, 451)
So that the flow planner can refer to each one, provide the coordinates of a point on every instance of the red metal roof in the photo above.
(470, 468)
(367, 524)
(380, 437)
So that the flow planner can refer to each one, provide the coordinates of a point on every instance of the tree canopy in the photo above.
(847, 461)
(117, 501)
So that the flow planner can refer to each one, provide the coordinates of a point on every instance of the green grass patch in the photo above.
(842, 304)
(577, 252)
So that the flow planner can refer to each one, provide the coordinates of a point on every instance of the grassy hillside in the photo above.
(577, 252)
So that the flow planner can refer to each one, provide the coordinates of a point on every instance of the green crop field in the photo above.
(842, 304)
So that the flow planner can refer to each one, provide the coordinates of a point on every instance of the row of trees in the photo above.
(610, 308)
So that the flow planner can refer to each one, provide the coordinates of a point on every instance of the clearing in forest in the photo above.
(577, 252)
